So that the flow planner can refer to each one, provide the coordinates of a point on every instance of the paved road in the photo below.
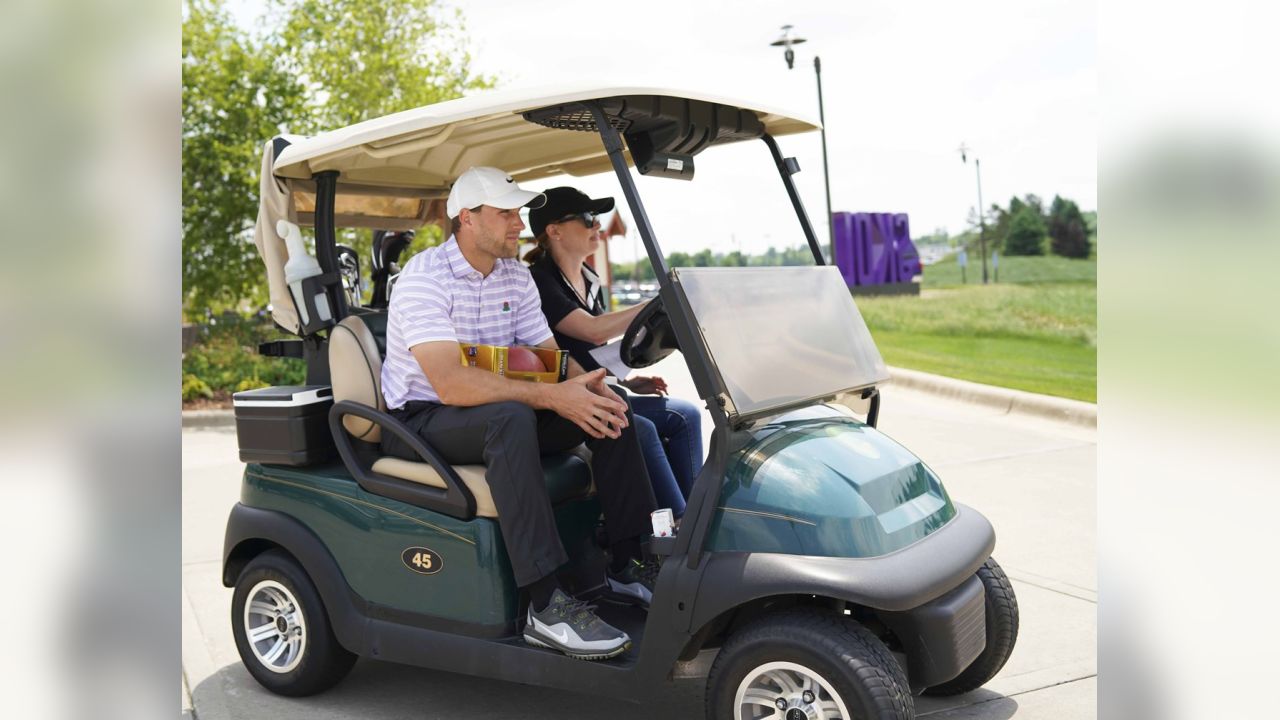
(1034, 479)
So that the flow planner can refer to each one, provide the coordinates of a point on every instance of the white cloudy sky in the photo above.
(904, 84)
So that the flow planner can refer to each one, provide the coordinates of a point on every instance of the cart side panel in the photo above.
(461, 572)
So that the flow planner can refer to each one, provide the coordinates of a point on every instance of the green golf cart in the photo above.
(821, 571)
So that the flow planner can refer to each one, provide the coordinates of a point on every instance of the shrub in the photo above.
(252, 383)
(225, 359)
(193, 388)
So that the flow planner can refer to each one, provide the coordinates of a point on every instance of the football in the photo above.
(524, 360)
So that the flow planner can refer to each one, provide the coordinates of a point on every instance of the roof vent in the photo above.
(573, 117)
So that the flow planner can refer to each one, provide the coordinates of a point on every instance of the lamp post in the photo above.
(785, 42)
(982, 221)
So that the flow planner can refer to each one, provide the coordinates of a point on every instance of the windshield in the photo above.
(781, 335)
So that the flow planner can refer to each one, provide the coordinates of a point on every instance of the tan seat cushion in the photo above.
(472, 476)
(355, 371)
(568, 477)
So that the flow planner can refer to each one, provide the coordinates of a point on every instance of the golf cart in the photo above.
(821, 570)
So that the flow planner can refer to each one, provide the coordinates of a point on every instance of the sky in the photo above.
(904, 84)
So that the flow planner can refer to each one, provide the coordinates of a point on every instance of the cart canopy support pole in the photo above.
(706, 489)
(326, 235)
(786, 168)
(705, 379)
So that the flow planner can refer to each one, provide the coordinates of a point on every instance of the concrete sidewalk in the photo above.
(1033, 477)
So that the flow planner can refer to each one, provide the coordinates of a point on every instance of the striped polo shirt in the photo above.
(440, 297)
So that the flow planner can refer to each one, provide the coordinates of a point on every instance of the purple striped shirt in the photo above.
(440, 297)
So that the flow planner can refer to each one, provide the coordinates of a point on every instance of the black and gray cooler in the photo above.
(285, 425)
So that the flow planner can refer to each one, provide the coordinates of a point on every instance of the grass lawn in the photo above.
(1036, 332)
(1045, 269)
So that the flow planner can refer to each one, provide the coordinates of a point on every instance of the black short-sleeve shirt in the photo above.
(559, 299)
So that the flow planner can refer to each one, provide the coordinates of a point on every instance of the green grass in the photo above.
(1017, 270)
(1039, 334)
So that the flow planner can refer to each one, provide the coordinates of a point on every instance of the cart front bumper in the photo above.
(942, 637)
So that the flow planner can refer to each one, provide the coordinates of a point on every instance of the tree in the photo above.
(998, 230)
(1026, 233)
(233, 100)
(362, 59)
(1034, 202)
(329, 64)
(640, 271)
(798, 255)
(769, 258)
(1068, 234)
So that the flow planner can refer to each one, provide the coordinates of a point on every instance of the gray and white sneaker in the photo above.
(633, 584)
(572, 627)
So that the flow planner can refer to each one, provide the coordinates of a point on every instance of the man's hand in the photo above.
(589, 404)
(642, 385)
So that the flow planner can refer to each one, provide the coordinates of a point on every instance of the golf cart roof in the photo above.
(428, 147)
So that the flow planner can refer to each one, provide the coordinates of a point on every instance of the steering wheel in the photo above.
(649, 338)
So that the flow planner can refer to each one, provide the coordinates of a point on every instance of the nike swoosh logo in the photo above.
(562, 637)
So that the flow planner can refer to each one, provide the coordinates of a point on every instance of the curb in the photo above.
(1075, 412)
(208, 418)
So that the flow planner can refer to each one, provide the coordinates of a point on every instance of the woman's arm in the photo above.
(598, 329)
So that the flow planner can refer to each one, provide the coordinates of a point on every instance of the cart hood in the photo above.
(818, 482)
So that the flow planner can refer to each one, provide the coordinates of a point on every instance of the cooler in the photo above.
(285, 425)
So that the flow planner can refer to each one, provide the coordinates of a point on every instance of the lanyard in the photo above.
(594, 306)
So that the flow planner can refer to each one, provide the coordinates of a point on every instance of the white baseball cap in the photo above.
(489, 186)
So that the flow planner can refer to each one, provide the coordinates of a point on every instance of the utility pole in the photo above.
(785, 42)
(982, 216)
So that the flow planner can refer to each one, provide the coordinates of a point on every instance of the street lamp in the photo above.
(982, 222)
(786, 41)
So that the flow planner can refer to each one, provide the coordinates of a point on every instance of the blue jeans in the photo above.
(670, 434)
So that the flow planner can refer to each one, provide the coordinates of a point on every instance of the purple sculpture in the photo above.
(875, 249)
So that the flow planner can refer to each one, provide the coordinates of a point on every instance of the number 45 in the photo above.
(422, 560)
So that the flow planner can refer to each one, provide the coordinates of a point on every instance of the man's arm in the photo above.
(462, 385)
(576, 399)
(574, 368)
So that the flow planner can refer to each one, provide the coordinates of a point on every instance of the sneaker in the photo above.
(572, 627)
(633, 583)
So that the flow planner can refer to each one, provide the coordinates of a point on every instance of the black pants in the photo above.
(508, 438)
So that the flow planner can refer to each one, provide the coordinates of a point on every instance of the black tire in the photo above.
(857, 666)
(1002, 633)
(319, 662)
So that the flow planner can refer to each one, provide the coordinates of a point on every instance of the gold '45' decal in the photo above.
(422, 560)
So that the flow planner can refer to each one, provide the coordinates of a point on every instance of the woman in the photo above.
(670, 430)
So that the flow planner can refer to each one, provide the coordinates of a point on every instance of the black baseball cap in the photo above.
(563, 202)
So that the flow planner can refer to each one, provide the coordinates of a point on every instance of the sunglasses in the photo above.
(588, 218)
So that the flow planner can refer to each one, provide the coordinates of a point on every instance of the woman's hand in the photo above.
(642, 385)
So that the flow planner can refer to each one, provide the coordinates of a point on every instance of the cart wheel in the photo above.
(1002, 633)
(805, 664)
(282, 630)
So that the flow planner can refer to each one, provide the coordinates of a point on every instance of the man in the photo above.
(472, 290)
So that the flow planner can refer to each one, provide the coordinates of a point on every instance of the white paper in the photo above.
(610, 358)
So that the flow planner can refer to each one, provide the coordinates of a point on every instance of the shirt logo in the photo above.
(506, 306)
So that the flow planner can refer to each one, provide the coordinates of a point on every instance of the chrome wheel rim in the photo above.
(274, 626)
(787, 691)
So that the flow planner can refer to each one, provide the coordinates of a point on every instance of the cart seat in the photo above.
(355, 369)
(568, 477)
